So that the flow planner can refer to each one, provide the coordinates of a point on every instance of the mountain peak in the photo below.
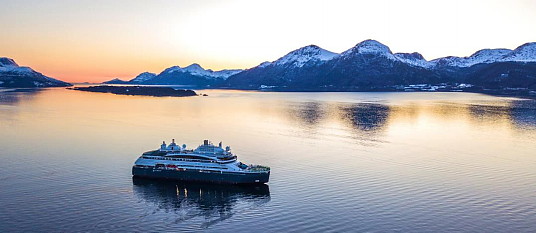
(523, 53)
(5, 61)
(305, 54)
(196, 69)
(371, 46)
(194, 66)
(491, 52)
(310, 47)
(311, 50)
(172, 69)
(527, 45)
(143, 77)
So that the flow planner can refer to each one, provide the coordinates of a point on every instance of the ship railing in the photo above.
(258, 168)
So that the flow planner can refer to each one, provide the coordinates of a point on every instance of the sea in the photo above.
(340, 162)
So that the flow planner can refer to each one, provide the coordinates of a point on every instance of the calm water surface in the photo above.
(341, 162)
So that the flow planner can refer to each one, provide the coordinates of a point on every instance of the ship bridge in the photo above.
(207, 148)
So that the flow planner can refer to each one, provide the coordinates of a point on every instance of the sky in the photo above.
(94, 41)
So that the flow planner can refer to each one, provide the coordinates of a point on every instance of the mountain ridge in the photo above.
(194, 74)
(371, 64)
(368, 64)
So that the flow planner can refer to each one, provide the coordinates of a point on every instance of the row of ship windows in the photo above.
(230, 160)
(183, 166)
(174, 159)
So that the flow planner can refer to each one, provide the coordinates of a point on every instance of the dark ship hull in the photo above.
(202, 175)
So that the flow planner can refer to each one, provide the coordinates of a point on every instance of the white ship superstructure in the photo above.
(177, 162)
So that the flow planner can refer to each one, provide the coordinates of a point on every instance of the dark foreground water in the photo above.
(341, 162)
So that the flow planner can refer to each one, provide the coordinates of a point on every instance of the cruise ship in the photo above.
(207, 163)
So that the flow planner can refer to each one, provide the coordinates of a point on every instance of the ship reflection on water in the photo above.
(206, 203)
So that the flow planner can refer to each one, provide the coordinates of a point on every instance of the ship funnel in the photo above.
(205, 142)
(220, 145)
(173, 140)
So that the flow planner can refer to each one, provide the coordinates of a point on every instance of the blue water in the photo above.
(341, 162)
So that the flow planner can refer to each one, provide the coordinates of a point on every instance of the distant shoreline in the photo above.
(151, 90)
(138, 90)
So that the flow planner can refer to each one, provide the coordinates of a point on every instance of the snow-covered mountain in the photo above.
(13, 75)
(142, 77)
(284, 69)
(302, 56)
(481, 56)
(371, 63)
(196, 70)
(193, 74)
(314, 66)
(373, 48)
(523, 53)
(369, 47)
(367, 63)
(6, 62)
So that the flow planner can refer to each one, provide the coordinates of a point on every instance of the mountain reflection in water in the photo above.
(369, 119)
(13, 96)
(212, 203)
(366, 117)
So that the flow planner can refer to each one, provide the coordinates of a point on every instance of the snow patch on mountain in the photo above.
(172, 69)
(9, 65)
(523, 53)
(196, 69)
(304, 55)
(224, 74)
(413, 59)
(487, 56)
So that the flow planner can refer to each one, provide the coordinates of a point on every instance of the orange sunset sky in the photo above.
(77, 41)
